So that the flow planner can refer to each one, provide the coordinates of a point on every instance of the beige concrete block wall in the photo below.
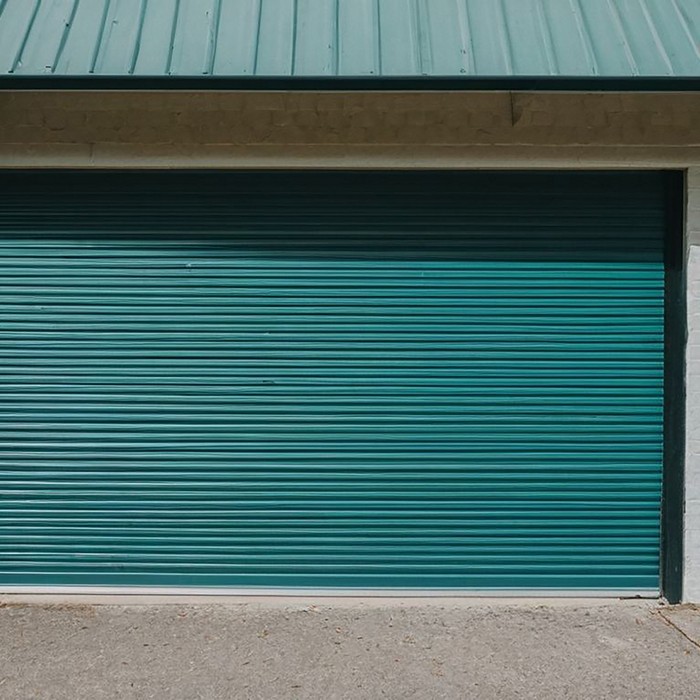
(691, 588)
(264, 129)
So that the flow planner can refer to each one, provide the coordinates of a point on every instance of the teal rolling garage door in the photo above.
(359, 380)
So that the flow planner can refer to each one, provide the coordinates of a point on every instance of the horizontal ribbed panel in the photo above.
(354, 380)
(317, 38)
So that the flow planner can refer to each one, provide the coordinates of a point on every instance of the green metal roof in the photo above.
(367, 39)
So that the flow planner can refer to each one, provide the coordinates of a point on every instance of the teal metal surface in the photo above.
(419, 380)
(316, 38)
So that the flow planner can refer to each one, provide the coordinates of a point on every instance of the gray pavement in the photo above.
(326, 648)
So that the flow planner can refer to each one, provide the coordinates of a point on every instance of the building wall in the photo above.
(383, 130)
(692, 467)
(392, 130)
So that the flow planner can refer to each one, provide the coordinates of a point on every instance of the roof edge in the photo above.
(343, 83)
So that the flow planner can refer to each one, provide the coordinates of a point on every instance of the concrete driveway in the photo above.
(329, 648)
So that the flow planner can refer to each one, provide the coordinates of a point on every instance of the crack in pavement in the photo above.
(678, 629)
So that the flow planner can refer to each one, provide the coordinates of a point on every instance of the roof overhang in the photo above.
(343, 45)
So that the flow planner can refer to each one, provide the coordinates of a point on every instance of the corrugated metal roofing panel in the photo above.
(316, 38)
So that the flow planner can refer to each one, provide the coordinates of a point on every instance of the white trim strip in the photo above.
(334, 592)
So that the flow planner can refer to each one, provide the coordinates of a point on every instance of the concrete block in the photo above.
(692, 451)
(691, 584)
